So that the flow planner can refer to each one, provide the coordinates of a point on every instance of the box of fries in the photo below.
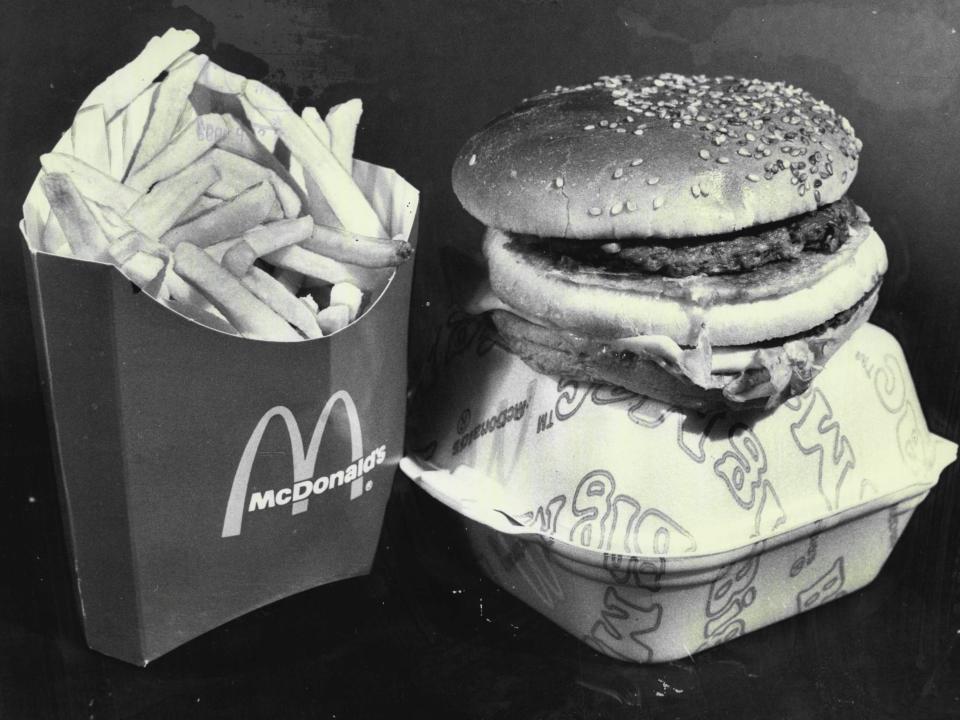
(651, 532)
(220, 294)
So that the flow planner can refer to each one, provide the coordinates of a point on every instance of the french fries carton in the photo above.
(226, 393)
(652, 533)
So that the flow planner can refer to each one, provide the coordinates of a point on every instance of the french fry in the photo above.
(113, 225)
(265, 239)
(281, 301)
(290, 279)
(187, 117)
(204, 204)
(323, 268)
(349, 296)
(343, 195)
(97, 186)
(120, 88)
(223, 81)
(89, 134)
(248, 209)
(52, 238)
(124, 238)
(238, 173)
(134, 120)
(178, 289)
(333, 318)
(296, 172)
(241, 141)
(84, 235)
(189, 301)
(138, 266)
(158, 210)
(241, 307)
(218, 250)
(185, 147)
(317, 204)
(169, 103)
(312, 118)
(128, 245)
(259, 124)
(342, 120)
(356, 249)
(115, 142)
(36, 209)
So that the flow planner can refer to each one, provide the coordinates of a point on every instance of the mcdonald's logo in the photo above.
(304, 483)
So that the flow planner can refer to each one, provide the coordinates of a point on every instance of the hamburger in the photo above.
(687, 238)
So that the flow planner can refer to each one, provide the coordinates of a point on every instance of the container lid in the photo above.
(603, 470)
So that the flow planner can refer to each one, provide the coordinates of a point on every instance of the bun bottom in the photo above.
(778, 370)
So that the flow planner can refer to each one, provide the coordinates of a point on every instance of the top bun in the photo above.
(667, 156)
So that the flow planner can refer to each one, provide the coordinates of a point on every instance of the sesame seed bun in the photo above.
(667, 156)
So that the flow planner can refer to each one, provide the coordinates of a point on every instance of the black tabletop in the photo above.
(425, 634)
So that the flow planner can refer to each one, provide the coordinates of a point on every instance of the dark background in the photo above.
(424, 635)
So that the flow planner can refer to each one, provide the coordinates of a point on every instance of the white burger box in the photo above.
(652, 533)
(202, 474)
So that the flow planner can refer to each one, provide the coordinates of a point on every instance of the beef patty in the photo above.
(823, 230)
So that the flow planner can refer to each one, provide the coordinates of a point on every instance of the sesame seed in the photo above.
(558, 182)
(595, 211)
(695, 190)
(629, 118)
(802, 190)
(816, 195)
(843, 177)
(653, 180)
(753, 178)
(705, 154)
(618, 173)
(621, 130)
(616, 209)
(657, 202)
(611, 248)
(750, 136)
(589, 127)
(613, 125)
(604, 123)
(638, 161)
(743, 151)
(473, 159)
(676, 126)
(638, 131)
(631, 206)
(723, 159)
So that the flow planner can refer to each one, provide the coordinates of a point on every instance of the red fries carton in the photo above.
(204, 473)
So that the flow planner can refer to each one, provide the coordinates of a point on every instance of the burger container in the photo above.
(200, 472)
(651, 533)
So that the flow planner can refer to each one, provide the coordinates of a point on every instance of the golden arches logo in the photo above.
(304, 461)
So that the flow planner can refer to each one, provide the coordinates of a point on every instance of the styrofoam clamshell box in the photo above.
(652, 533)
(202, 474)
